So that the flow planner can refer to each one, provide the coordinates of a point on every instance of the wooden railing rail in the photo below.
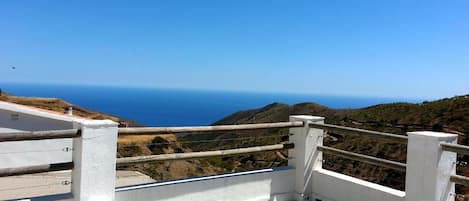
(39, 135)
(206, 129)
(357, 131)
(204, 154)
(457, 148)
(364, 158)
(461, 180)
(35, 169)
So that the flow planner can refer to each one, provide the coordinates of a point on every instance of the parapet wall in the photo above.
(258, 185)
(17, 118)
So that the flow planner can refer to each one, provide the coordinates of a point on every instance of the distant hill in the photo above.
(447, 115)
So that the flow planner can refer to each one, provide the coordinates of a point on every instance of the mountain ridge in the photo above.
(449, 115)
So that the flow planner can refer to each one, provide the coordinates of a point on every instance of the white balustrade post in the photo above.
(429, 167)
(94, 156)
(305, 157)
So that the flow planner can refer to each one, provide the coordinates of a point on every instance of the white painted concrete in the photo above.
(28, 153)
(94, 153)
(32, 119)
(259, 185)
(15, 117)
(94, 156)
(332, 186)
(51, 183)
(429, 167)
(9, 130)
(305, 157)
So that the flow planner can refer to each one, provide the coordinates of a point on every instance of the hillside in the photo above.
(448, 115)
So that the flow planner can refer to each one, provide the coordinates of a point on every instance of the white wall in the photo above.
(332, 186)
(28, 122)
(259, 185)
(38, 152)
(28, 153)
(429, 167)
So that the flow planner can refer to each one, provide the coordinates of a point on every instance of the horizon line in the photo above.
(401, 98)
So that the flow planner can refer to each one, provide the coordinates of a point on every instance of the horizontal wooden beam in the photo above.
(205, 129)
(461, 180)
(457, 148)
(357, 131)
(205, 154)
(35, 169)
(39, 135)
(364, 158)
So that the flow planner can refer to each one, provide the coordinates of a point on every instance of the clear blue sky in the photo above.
(395, 48)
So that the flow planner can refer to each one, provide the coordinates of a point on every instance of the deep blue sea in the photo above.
(177, 107)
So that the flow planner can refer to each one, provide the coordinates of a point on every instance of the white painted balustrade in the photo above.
(428, 171)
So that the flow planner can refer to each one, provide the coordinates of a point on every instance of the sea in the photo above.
(179, 107)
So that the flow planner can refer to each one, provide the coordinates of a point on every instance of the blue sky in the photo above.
(411, 49)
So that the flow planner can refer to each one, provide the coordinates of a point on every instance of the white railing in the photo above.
(430, 168)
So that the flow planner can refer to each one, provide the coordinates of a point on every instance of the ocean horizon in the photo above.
(179, 107)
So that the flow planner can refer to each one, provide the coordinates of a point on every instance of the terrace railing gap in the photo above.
(364, 158)
(203, 154)
(459, 149)
(357, 131)
(205, 129)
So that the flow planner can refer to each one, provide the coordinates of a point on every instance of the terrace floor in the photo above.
(56, 183)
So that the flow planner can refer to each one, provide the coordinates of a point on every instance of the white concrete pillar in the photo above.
(305, 157)
(94, 156)
(429, 167)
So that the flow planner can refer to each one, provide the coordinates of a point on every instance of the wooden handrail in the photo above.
(457, 148)
(205, 129)
(461, 180)
(364, 158)
(205, 154)
(39, 135)
(35, 169)
(357, 131)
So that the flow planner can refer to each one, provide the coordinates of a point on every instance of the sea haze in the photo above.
(177, 107)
